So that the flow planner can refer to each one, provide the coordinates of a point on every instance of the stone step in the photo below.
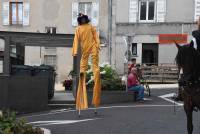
(62, 100)
(60, 106)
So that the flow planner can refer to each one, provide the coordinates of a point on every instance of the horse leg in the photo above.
(188, 111)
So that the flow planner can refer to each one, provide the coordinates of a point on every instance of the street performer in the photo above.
(86, 36)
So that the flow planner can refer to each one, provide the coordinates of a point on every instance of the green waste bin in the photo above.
(21, 70)
(49, 72)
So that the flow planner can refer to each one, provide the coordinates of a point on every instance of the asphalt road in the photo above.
(154, 116)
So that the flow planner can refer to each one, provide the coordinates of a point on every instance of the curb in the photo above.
(46, 131)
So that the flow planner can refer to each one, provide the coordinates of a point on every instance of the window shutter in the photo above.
(74, 13)
(161, 10)
(133, 11)
(5, 13)
(95, 14)
(197, 10)
(26, 13)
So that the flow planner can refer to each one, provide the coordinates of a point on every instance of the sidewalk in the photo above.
(63, 99)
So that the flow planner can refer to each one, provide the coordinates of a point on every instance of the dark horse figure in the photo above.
(188, 59)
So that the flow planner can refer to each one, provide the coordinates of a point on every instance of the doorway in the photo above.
(150, 53)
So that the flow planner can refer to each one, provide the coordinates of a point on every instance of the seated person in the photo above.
(134, 85)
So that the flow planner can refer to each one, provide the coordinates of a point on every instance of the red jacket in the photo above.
(132, 80)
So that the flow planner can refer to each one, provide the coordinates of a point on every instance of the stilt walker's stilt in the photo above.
(79, 113)
(81, 100)
(81, 96)
(97, 90)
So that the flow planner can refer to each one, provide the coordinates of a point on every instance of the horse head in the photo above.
(188, 59)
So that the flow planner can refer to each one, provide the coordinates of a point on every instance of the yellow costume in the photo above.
(87, 37)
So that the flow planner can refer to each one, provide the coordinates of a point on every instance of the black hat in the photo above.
(82, 19)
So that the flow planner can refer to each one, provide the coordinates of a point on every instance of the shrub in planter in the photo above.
(110, 80)
(112, 84)
(10, 125)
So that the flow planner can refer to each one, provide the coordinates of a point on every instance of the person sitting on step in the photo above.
(134, 84)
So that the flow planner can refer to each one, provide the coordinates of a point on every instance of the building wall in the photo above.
(55, 13)
(179, 19)
(64, 63)
(32, 55)
(122, 14)
(167, 53)
(176, 11)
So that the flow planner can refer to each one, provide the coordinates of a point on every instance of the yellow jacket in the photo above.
(87, 36)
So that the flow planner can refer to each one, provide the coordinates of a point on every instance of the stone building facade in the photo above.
(148, 19)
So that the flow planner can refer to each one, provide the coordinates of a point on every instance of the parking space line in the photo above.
(167, 96)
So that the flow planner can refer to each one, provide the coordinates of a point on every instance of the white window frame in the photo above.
(17, 22)
(86, 3)
(7, 12)
(52, 63)
(147, 11)
(132, 44)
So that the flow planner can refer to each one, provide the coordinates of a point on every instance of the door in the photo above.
(150, 53)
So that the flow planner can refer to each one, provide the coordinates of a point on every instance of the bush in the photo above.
(110, 80)
(10, 125)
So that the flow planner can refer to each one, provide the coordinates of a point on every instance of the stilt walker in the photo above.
(87, 37)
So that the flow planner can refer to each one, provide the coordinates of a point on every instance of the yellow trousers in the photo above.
(81, 98)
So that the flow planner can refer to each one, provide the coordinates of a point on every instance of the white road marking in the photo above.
(109, 107)
(166, 96)
(46, 131)
(59, 122)
(147, 99)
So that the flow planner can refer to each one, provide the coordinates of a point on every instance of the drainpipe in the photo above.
(110, 30)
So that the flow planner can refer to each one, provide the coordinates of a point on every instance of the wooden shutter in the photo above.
(95, 14)
(197, 10)
(5, 13)
(161, 10)
(74, 13)
(133, 10)
(26, 13)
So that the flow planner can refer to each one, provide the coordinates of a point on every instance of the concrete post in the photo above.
(6, 62)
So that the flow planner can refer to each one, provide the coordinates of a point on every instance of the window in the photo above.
(16, 13)
(147, 10)
(50, 60)
(134, 49)
(50, 30)
(85, 8)
(89, 8)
